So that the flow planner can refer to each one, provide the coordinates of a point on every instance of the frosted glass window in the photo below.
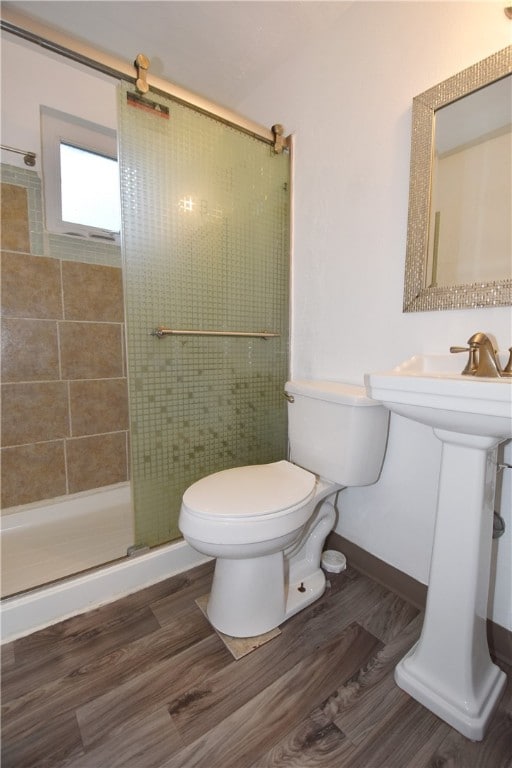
(89, 188)
(81, 177)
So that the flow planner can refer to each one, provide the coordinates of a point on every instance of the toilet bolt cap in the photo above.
(333, 562)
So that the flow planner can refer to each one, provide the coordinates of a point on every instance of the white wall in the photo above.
(347, 98)
(31, 77)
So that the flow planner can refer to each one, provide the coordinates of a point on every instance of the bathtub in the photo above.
(44, 543)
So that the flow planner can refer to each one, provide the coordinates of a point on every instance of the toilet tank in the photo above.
(336, 431)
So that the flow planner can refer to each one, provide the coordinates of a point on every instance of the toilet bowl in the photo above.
(247, 517)
(266, 524)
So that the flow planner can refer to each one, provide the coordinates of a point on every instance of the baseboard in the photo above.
(499, 638)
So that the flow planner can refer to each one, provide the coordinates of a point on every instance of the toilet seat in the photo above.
(252, 503)
(261, 489)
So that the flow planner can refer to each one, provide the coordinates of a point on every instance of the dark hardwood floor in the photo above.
(145, 682)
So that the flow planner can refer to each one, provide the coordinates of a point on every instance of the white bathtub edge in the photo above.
(23, 614)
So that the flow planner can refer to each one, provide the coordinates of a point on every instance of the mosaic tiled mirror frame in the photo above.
(417, 297)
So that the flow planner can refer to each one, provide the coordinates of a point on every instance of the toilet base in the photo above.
(252, 595)
(249, 597)
(303, 593)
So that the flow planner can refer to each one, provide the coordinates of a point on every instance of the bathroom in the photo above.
(344, 89)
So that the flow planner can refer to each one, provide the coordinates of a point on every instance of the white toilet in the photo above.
(266, 524)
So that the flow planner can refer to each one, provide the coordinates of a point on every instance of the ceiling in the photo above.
(220, 49)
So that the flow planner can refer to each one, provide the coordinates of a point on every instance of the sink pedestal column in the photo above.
(449, 670)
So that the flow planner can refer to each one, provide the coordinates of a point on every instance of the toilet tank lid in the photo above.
(331, 391)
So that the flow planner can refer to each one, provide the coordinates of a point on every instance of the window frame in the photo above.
(60, 128)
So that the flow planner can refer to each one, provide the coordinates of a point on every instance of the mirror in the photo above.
(459, 243)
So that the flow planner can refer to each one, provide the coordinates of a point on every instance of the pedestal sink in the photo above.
(450, 670)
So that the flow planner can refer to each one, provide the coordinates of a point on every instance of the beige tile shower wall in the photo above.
(63, 374)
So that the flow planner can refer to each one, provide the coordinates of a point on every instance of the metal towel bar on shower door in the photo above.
(161, 332)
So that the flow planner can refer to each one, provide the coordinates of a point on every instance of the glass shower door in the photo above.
(206, 247)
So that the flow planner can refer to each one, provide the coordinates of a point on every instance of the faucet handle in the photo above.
(472, 364)
(459, 349)
(507, 371)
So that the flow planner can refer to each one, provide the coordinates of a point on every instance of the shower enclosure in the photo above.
(206, 255)
(205, 239)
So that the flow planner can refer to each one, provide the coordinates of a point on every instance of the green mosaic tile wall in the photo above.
(205, 246)
(24, 177)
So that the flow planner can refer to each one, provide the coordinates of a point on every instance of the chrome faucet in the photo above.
(483, 358)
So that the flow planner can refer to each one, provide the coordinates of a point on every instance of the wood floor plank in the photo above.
(7, 656)
(390, 617)
(102, 674)
(147, 691)
(396, 742)
(308, 745)
(232, 687)
(75, 651)
(73, 643)
(166, 607)
(43, 743)
(369, 699)
(77, 631)
(188, 627)
(239, 739)
(331, 733)
(142, 741)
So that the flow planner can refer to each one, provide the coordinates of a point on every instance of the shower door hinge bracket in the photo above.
(141, 64)
(280, 142)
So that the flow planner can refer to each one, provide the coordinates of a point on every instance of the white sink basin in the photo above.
(431, 389)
